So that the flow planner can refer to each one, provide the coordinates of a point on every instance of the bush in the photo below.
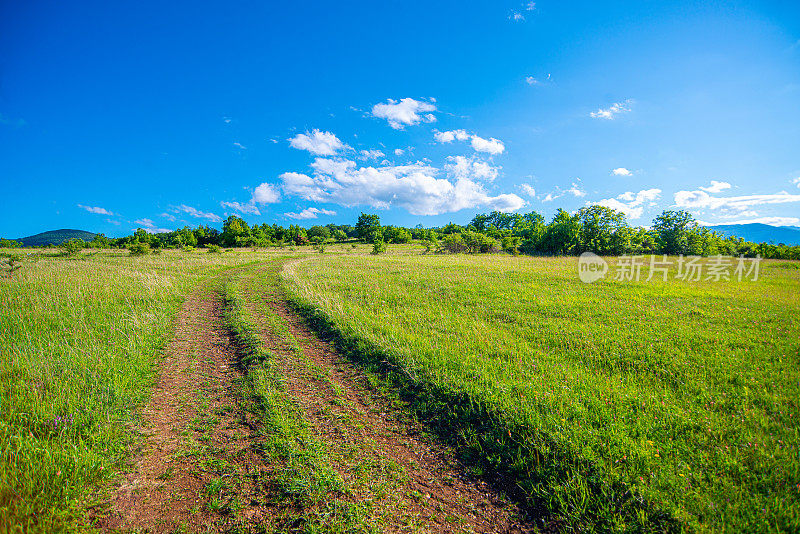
(72, 246)
(214, 249)
(138, 249)
(378, 244)
(452, 243)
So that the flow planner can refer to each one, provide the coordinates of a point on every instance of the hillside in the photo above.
(761, 233)
(55, 237)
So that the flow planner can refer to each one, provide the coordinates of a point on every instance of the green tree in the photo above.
(367, 226)
(672, 229)
(232, 229)
(562, 235)
(599, 226)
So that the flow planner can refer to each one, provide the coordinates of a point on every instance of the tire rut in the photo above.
(360, 428)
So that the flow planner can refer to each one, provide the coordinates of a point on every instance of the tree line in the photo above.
(597, 229)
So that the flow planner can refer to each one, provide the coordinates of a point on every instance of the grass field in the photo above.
(621, 405)
(611, 406)
(80, 342)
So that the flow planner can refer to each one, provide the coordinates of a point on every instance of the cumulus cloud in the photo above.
(621, 171)
(309, 213)
(406, 112)
(612, 111)
(248, 208)
(318, 143)
(716, 187)
(462, 167)
(399, 151)
(263, 194)
(95, 209)
(576, 191)
(491, 146)
(194, 212)
(149, 226)
(796, 181)
(415, 187)
(630, 203)
(372, 154)
(528, 190)
(266, 194)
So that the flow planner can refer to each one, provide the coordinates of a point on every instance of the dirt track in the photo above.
(201, 453)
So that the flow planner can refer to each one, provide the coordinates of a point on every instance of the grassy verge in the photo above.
(610, 407)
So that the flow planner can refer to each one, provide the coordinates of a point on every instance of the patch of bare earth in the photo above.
(360, 428)
(196, 437)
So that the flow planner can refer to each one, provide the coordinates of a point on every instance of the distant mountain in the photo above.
(761, 233)
(55, 237)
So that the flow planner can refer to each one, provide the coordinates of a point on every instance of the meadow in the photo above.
(613, 406)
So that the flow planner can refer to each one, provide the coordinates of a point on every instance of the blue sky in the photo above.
(162, 114)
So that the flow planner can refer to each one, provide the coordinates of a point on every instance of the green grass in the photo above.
(80, 340)
(615, 406)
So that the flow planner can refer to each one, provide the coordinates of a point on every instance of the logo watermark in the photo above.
(592, 268)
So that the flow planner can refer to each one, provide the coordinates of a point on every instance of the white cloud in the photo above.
(774, 221)
(530, 6)
(197, 213)
(95, 209)
(237, 144)
(530, 80)
(451, 135)
(621, 171)
(716, 187)
(576, 191)
(309, 213)
(413, 187)
(407, 112)
(612, 111)
(317, 142)
(399, 151)
(796, 181)
(516, 16)
(167, 216)
(630, 203)
(249, 208)
(149, 226)
(528, 190)
(266, 194)
(263, 194)
(491, 146)
(461, 167)
(372, 154)
(701, 199)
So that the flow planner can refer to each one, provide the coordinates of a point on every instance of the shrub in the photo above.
(138, 249)
(214, 249)
(70, 247)
(452, 243)
(378, 244)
